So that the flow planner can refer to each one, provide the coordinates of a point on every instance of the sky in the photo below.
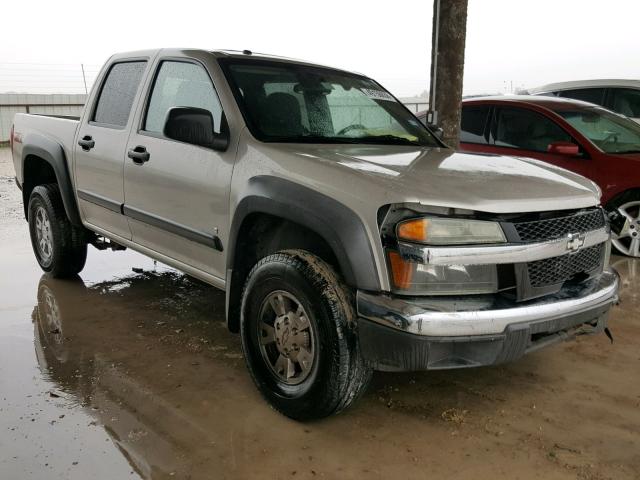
(510, 43)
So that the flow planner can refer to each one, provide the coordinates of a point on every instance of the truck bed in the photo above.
(60, 128)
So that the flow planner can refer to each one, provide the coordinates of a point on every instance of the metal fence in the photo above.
(55, 104)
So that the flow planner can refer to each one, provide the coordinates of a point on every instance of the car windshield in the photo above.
(610, 132)
(284, 102)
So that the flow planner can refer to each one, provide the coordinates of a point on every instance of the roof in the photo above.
(551, 103)
(610, 82)
(275, 58)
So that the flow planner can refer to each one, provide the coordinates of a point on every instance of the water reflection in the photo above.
(142, 355)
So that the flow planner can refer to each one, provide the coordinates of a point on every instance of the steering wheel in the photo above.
(348, 128)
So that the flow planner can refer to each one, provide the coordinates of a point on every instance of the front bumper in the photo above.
(399, 334)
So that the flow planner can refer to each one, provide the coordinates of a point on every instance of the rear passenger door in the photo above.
(527, 133)
(177, 201)
(100, 147)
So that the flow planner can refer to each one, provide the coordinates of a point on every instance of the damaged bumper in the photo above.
(401, 334)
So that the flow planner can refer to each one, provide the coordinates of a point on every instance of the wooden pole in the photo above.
(447, 67)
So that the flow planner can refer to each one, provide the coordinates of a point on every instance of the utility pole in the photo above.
(447, 67)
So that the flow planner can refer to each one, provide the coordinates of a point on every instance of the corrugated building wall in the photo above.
(51, 104)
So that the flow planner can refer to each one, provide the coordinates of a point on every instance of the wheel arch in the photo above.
(44, 160)
(289, 215)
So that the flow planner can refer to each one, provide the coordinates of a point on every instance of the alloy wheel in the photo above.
(286, 337)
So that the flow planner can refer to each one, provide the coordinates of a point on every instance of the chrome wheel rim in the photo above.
(44, 240)
(286, 337)
(628, 240)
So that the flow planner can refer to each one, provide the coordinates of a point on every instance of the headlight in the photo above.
(449, 231)
(411, 278)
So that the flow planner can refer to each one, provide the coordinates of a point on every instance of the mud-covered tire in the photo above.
(338, 375)
(65, 252)
(627, 242)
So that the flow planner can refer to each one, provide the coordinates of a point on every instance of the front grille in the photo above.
(540, 230)
(552, 271)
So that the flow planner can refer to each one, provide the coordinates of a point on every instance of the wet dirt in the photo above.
(131, 374)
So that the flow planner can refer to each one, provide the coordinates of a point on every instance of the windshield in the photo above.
(284, 102)
(610, 132)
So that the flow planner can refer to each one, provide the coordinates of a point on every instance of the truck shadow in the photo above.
(149, 357)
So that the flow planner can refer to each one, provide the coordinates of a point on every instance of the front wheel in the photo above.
(627, 242)
(298, 336)
(59, 246)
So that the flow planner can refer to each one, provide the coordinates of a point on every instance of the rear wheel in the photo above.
(59, 246)
(627, 242)
(298, 336)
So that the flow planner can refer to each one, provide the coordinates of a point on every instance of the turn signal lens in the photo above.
(401, 271)
(414, 230)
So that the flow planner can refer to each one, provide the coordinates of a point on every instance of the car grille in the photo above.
(549, 229)
(552, 271)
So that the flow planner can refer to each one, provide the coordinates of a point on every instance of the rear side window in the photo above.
(118, 93)
(181, 84)
(626, 101)
(591, 95)
(527, 130)
(474, 121)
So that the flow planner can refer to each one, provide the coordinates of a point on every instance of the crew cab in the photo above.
(347, 237)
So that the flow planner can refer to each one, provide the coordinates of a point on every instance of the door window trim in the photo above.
(151, 85)
(103, 80)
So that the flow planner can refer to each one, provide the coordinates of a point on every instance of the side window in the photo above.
(474, 121)
(591, 95)
(181, 84)
(626, 101)
(118, 93)
(527, 130)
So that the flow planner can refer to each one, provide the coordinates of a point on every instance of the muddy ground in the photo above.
(130, 373)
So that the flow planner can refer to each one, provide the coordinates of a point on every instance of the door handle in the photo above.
(139, 155)
(87, 143)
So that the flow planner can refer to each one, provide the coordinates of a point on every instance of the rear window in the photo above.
(118, 93)
(591, 95)
(474, 120)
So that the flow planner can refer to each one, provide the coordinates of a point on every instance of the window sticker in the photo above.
(377, 94)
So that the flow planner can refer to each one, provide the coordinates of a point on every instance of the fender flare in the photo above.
(338, 225)
(52, 152)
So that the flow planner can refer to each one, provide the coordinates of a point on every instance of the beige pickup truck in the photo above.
(347, 237)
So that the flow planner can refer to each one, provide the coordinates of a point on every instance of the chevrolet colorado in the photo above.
(347, 237)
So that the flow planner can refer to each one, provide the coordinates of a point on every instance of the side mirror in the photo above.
(564, 148)
(438, 132)
(195, 126)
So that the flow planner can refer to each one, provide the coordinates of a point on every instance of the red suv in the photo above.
(581, 137)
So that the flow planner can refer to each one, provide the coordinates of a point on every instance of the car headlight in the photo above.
(410, 278)
(449, 231)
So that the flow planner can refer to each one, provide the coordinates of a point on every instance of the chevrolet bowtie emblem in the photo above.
(575, 241)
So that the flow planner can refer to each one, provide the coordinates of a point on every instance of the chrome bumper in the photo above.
(486, 315)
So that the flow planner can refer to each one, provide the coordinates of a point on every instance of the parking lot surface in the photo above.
(128, 371)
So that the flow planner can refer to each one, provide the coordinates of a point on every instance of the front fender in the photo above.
(337, 224)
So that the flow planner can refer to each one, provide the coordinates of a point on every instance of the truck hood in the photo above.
(442, 177)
